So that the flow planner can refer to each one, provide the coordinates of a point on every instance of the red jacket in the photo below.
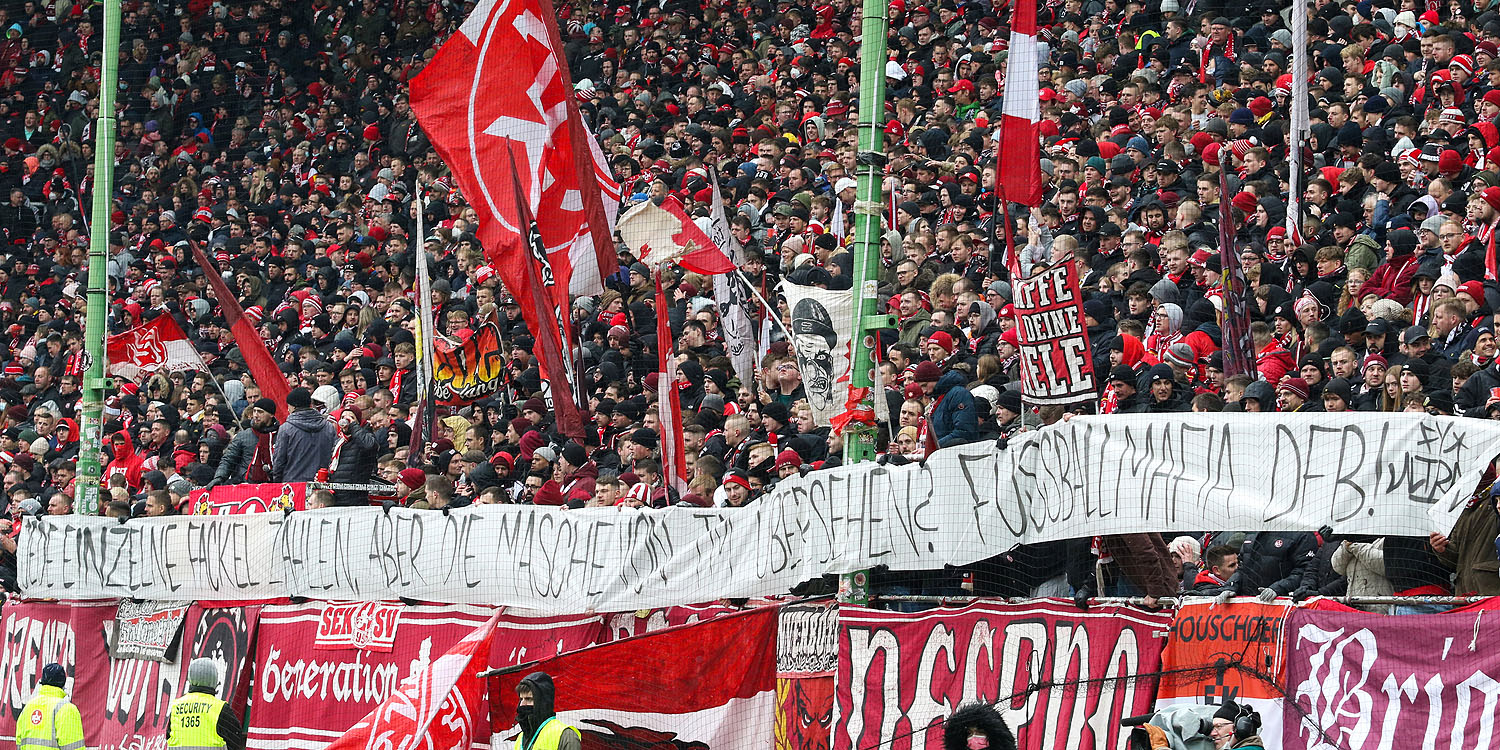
(1392, 280)
(126, 462)
(1274, 362)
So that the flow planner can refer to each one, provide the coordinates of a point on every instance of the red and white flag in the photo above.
(501, 85)
(666, 234)
(149, 347)
(1021, 113)
(440, 707)
(710, 685)
(668, 402)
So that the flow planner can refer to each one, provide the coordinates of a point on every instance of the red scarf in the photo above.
(1208, 54)
(259, 470)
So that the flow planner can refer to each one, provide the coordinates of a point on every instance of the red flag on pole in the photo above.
(669, 404)
(500, 85)
(528, 273)
(257, 358)
(156, 345)
(1020, 152)
(439, 706)
(1234, 319)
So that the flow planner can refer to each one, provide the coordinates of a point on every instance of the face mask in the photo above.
(525, 715)
(978, 742)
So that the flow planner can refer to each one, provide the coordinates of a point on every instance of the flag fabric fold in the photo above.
(439, 707)
(533, 276)
(706, 685)
(1234, 323)
(252, 347)
(498, 86)
(673, 455)
(664, 233)
(732, 298)
(1021, 112)
(158, 344)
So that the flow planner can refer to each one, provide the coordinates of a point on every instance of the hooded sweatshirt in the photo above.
(126, 462)
(536, 716)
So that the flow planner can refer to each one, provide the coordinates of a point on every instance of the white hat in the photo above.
(843, 183)
(894, 70)
(328, 396)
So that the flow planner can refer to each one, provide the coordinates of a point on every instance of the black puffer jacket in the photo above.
(358, 456)
(1284, 562)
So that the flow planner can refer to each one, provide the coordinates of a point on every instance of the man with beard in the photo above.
(812, 329)
(540, 728)
(247, 458)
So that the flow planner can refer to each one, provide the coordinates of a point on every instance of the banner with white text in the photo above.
(1057, 366)
(1378, 682)
(1062, 678)
(314, 679)
(1377, 474)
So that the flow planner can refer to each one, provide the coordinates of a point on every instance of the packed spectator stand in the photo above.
(278, 135)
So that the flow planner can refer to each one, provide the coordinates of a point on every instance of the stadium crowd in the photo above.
(278, 134)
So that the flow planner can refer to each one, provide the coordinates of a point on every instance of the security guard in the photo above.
(199, 720)
(49, 720)
(540, 728)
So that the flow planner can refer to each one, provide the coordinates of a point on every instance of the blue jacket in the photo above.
(954, 421)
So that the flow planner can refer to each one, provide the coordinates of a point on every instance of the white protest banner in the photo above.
(822, 320)
(1381, 474)
(1056, 364)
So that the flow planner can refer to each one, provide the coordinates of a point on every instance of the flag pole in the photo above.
(426, 330)
(870, 162)
(91, 434)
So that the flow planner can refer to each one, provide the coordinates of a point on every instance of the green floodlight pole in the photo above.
(859, 440)
(91, 438)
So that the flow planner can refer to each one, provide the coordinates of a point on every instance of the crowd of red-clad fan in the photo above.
(278, 134)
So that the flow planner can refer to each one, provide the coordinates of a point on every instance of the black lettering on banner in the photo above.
(513, 540)
(976, 501)
(807, 639)
(1022, 479)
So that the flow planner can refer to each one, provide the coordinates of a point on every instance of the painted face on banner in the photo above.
(812, 330)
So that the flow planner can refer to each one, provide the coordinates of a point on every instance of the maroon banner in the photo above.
(807, 644)
(1057, 366)
(1364, 680)
(231, 499)
(306, 696)
(134, 712)
(900, 675)
(123, 701)
(1234, 317)
(37, 634)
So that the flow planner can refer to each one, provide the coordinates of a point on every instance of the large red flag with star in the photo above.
(500, 85)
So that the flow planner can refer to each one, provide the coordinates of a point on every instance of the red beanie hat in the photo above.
(1450, 161)
(1244, 201)
(412, 477)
